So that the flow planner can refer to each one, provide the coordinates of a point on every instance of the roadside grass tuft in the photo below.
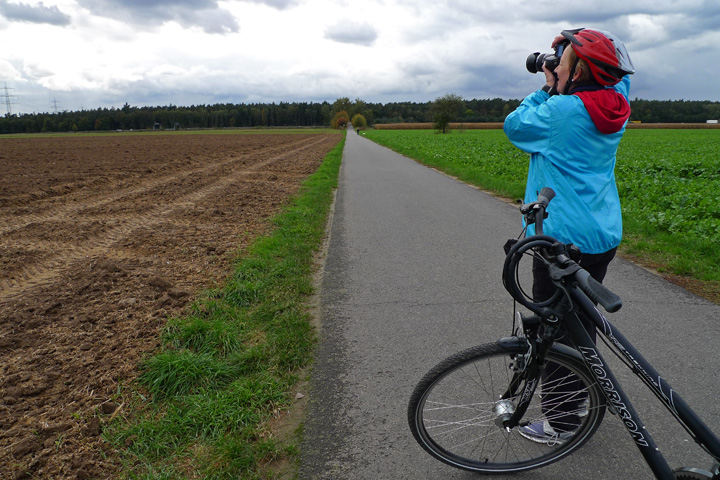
(228, 366)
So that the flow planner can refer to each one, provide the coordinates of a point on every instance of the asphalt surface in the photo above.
(412, 275)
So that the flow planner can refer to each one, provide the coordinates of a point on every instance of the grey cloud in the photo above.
(278, 4)
(498, 81)
(696, 20)
(153, 4)
(205, 14)
(33, 14)
(354, 33)
(678, 20)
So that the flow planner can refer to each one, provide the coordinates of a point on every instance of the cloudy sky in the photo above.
(73, 54)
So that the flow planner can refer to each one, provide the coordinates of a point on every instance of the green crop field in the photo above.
(669, 184)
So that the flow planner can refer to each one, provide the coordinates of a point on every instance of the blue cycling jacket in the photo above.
(573, 141)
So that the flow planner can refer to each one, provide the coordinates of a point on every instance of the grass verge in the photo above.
(203, 401)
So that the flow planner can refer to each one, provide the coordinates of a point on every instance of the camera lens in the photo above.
(534, 62)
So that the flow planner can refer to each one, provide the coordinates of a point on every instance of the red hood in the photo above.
(608, 109)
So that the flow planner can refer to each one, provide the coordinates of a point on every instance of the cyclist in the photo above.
(572, 128)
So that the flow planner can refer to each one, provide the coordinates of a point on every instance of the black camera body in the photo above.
(535, 61)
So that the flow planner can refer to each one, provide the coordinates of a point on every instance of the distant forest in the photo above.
(312, 115)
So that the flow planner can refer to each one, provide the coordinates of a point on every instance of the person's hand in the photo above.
(562, 38)
(558, 39)
(549, 77)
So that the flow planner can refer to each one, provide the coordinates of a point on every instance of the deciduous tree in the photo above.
(446, 109)
(340, 120)
(359, 121)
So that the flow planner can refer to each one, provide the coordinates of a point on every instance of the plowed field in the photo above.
(101, 239)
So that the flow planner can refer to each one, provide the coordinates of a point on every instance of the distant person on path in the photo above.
(572, 127)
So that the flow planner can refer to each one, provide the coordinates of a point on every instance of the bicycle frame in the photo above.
(577, 295)
(617, 398)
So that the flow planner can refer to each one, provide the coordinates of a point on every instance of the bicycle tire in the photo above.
(451, 410)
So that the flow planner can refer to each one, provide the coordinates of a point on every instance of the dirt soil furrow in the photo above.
(102, 238)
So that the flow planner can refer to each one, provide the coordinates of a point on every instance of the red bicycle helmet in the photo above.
(605, 55)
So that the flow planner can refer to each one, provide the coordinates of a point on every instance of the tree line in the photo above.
(296, 114)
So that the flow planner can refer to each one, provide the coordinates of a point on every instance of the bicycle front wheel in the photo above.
(456, 412)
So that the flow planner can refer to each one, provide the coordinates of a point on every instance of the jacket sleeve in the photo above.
(623, 87)
(529, 126)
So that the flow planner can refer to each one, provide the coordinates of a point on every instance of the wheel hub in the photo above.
(503, 410)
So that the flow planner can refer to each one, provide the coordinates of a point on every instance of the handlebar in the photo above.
(558, 257)
(545, 195)
(598, 292)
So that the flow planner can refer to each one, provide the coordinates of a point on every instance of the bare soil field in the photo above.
(101, 239)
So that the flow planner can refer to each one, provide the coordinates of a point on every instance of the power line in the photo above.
(25, 104)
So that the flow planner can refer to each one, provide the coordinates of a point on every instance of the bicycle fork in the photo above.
(528, 370)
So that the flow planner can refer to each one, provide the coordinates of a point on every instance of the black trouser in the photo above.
(559, 401)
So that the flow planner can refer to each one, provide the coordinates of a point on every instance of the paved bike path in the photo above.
(413, 275)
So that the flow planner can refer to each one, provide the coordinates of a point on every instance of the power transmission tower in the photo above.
(7, 96)
(55, 105)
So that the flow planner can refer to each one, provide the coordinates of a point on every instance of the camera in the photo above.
(535, 61)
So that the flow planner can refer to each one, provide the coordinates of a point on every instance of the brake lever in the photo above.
(529, 211)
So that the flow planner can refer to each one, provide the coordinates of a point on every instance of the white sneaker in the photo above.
(542, 432)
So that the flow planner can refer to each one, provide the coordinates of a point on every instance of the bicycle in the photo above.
(479, 409)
